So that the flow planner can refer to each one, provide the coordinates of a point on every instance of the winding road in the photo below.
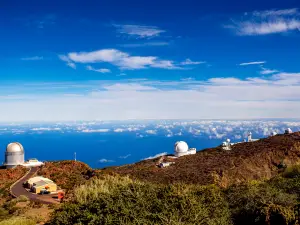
(17, 189)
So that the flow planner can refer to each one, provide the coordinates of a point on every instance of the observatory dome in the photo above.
(14, 155)
(181, 146)
(14, 147)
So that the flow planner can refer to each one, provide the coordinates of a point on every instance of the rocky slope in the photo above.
(246, 161)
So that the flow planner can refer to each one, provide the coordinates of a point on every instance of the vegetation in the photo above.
(7, 178)
(121, 200)
(259, 160)
(252, 184)
(18, 221)
(66, 174)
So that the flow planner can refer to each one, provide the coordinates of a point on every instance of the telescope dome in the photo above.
(14, 147)
(181, 146)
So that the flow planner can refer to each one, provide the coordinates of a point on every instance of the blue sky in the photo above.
(116, 60)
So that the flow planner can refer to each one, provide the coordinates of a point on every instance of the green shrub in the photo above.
(292, 172)
(18, 221)
(22, 198)
(120, 200)
(290, 185)
(10, 205)
(260, 203)
(3, 213)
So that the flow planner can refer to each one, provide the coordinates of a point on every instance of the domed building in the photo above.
(288, 131)
(14, 155)
(181, 148)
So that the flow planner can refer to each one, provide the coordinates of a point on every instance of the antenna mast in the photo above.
(75, 156)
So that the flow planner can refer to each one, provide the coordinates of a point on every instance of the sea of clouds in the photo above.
(212, 129)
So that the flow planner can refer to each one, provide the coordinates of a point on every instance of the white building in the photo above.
(14, 156)
(273, 133)
(288, 131)
(181, 148)
(250, 137)
(32, 163)
(226, 145)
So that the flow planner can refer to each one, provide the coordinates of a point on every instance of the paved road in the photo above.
(17, 189)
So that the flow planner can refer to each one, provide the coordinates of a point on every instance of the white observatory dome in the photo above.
(273, 133)
(14, 147)
(181, 146)
(14, 155)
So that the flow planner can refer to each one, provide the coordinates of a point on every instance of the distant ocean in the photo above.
(98, 150)
(101, 145)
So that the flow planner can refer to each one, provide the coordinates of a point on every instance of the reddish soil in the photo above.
(246, 161)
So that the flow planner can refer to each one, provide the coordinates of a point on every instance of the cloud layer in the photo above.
(276, 96)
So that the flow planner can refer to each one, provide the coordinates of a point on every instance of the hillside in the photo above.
(7, 178)
(246, 161)
(66, 174)
(150, 198)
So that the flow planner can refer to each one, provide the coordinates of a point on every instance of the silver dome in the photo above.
(14, 147)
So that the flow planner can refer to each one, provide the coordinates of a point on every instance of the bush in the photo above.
(17, 221)
(292, 172)
(120, 200)
(260, 203)
(22, 198)
(3, 213)
(10, 205)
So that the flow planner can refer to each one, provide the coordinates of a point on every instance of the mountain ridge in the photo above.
(258, 160)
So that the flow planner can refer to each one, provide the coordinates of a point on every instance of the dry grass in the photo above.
(120, 200)
(97, 187)
(18, 221)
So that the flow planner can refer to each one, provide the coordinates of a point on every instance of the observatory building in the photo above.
(288, 131)
(181, 149)
(273, 133)
(14, 155)
(249, 138)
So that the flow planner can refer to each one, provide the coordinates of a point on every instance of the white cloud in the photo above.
(46, 129)
(120, 59)
(118, 130)
(68, 61)
(34, 58)
(253, 63)
(266, 71)
(281, 12)
(125, 156)
(268, 27)
(95, 130)
(156, 156)
(165, 64)
(267, 22)
(276, 96)
(139, 31)
(190, 62)
(128, 87)
(106, 161)
(102, 70)
(146, 44)
(151, 131)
